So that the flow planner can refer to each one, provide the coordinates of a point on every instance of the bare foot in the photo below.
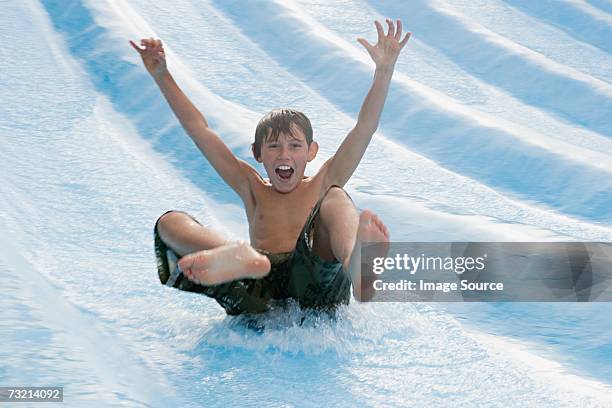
(371, 228)
(371, 231)
(233, 261)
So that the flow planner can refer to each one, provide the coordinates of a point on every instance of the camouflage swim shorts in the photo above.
(300, 274)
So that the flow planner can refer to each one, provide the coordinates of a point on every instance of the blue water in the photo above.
(575, 333)
(91, 156)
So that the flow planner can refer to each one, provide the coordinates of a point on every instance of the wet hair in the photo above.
(279, 121)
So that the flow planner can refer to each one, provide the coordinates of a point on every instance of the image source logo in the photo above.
(487, 271)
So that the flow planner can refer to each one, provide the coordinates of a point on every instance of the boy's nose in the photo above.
(284, 151)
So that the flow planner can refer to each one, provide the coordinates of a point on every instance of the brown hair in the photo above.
(279, 121)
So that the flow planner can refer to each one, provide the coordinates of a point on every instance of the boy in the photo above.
(305, 232)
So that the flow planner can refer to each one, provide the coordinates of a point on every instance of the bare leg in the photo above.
(335, 233)
(207, 257)
(339, 235)
(184, 235)
(371, 230)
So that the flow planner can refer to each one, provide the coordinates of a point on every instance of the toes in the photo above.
(367, 217)
(193, 262)
(376, 220)
(382, 226)
(185, 263)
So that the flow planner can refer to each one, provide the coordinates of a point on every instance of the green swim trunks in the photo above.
(301, 275)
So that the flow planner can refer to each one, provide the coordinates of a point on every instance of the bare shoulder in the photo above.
(254, 183)
(252, 175)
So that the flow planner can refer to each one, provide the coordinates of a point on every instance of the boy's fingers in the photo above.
(365, 43)
(137, 48)
(391, 32)
(405, 40)
(398, 33)
(369, 47)
(381, 32)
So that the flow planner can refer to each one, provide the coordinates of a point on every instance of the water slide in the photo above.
(497, 128)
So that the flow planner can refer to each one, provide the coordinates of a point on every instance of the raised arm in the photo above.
(384, 54)
(230, 168)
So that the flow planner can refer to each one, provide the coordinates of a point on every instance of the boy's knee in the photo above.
(335, 196)
(171, 220)
(167, 218)
(337, 207)
(336, 199)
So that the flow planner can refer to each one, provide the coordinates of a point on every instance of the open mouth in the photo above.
(284, 171)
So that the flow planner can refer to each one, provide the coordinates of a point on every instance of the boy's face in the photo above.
(285, 159)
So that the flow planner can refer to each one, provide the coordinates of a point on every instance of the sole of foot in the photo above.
(226, 263)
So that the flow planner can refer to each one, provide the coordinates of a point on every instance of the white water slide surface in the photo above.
(498, 127)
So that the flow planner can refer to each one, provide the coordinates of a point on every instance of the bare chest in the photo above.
(278, 219)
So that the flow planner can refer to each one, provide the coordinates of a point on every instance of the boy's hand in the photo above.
(153, 56)
(388, 47)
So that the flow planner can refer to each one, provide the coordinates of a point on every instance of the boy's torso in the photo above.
(276, 219)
